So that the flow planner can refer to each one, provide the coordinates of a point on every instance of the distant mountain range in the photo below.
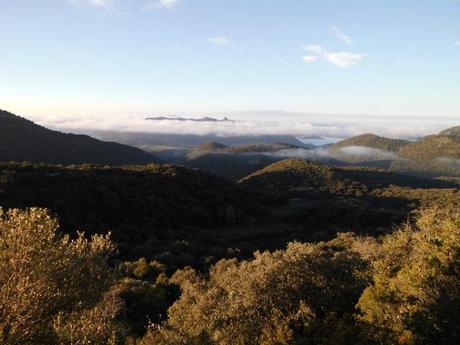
(23, 140)
(230, 156)
(178, 118)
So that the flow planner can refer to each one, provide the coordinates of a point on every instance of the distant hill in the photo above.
(154, 142)
(261, 148)
(233, 162)
(433, 147)
(205, 148)
(453, 131)
(257, 148)
(23, 140)
(431, 156)
(299, 177)
(372, 141)
(211, 146)
(183, 119)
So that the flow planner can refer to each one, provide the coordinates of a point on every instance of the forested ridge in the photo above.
(23, 140)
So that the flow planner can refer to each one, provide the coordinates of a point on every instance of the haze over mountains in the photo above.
(231, 156)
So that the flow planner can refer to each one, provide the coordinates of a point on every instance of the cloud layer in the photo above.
(318, 128)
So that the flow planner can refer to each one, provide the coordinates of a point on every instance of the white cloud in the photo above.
(162, 4)
(218, 40)
(310, 58)
(367, 153)
(339, 59)
(314, 128)
(456, 43)
(341, 35)
(95, 3)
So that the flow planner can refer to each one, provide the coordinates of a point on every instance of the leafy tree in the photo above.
(304, 294)
(54, 290)
(415, 295)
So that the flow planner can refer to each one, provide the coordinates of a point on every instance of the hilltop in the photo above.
(301, 178)
(372, 141)
(23, 140)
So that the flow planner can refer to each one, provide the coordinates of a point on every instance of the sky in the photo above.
(296, 60)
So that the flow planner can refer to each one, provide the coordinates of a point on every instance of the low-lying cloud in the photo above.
(451, 162)
(367, 153)
(310, 127)
(311, 154)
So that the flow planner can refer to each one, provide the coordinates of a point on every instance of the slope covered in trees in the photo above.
(300, 177)
(453, 131)
(399, 289)
(373, 141)
(144, 206)
(432, 147)
(23, 140)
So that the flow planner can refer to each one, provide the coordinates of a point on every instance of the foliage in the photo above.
(54, 290)
(373, 141)
(415, 295)
(143, 206)
(432, 147)
(305, 292)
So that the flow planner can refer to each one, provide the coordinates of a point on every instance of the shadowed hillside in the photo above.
(142, 205)
(23, 140)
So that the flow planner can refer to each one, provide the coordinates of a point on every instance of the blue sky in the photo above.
(144, 57)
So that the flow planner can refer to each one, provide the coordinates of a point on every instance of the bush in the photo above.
(54, 290)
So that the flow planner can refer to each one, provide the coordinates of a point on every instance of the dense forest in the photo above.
(280, 251)
(402, 288)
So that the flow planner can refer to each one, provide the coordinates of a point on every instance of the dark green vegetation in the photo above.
(399, 289)
(22, 140)
(373, 141)
(151, 210)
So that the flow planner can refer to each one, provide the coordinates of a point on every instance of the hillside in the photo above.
(453, 131)
(232, 162)
(372, 141)
(432, 147)
(297, 177)
(431, 156)
(23, 140)
(261, 148)
(144, 206)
